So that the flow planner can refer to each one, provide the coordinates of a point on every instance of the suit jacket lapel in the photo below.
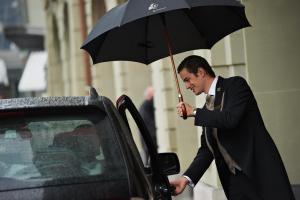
(219, 94)
(217, 106)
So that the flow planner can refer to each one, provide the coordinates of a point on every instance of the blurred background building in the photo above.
(22, 25)
(12, 13)
(266, 55)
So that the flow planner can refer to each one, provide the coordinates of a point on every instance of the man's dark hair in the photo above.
(192, 63)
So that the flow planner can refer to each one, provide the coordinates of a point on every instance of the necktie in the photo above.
(210, 99)
(210, 102)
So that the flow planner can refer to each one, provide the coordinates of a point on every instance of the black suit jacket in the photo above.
(242, 133)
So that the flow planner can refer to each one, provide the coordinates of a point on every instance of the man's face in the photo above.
(193, 82)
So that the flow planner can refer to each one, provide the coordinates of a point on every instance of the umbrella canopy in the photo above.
(134, 31)
(146, 31)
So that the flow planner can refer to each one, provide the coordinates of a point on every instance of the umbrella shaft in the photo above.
(167, 36)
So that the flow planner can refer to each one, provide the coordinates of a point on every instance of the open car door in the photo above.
(161, 164)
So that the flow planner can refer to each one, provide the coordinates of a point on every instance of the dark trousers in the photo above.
(236, 186)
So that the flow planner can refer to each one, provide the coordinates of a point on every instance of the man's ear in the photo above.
(201, 72)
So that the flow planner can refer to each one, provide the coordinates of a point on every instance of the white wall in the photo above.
(273, 65)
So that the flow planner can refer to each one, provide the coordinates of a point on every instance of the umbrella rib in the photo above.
(123, 14)
(199, 31)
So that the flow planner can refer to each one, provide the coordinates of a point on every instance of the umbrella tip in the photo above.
(93, 93)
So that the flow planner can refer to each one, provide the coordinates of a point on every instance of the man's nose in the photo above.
(187, 85)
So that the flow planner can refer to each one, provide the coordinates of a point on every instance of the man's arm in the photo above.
(200, 163)
(197, 168)
(237, 98)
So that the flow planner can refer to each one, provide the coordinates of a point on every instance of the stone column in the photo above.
(102, 73)
(164, 104)
(65, 47)
(77, 65)
(54, 68)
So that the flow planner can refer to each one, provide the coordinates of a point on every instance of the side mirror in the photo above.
(168, 163)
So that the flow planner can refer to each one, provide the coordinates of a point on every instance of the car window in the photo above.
(138, 138)
(57, 148)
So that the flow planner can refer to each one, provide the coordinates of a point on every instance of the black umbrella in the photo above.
(147, 30)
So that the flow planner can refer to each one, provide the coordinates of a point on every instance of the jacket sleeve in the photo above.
(200, 163)
(237, 97)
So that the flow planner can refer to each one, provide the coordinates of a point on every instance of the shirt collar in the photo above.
(212, 89)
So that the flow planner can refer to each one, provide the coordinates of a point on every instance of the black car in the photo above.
(77, 148)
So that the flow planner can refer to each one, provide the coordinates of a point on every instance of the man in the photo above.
(248, 163)
(146, 111)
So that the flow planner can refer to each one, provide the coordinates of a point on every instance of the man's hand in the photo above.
(189, 109)
(179, 185)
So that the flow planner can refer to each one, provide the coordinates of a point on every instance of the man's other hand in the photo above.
(179, 185)
(189, 109)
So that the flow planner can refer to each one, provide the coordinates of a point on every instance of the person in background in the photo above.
(146, 111)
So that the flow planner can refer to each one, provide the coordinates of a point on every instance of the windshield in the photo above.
(60, 147)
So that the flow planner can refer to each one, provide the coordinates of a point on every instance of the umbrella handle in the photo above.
(184, 113)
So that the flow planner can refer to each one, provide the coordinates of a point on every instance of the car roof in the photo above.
(57, 101)
(46, 102)
(37, 102)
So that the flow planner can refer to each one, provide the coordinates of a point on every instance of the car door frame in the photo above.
(160, 182)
